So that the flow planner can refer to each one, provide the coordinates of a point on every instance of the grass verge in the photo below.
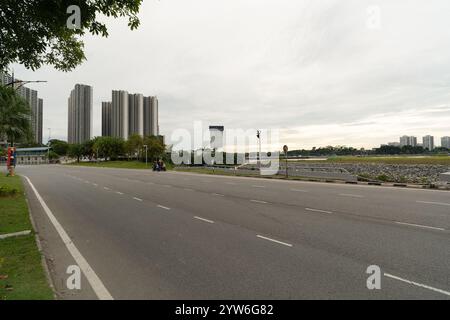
(22, 276)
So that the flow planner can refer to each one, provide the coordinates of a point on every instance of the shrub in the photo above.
(6, 191)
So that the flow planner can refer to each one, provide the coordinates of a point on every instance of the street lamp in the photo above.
(146, 151)
(258, 135)
(22, 83)
(48, 144)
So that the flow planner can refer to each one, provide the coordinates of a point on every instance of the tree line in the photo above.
(111, 148)
(350, 151)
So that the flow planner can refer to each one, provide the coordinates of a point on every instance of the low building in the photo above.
(31, 156)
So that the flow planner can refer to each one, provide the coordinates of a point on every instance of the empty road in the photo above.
(144, 235)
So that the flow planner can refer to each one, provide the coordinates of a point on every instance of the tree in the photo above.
(110, 147)
(134, 144)
(59, 147)
(88, 148)
(14, 116)
(35, 32)
(75, 151)
(155, 147)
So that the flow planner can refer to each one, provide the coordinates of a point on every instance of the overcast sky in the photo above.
(324, 72)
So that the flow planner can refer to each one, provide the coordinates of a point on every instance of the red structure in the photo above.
(11, 160)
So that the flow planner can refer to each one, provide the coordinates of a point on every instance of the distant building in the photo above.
(119, 114)
(80, 114)
(136, 114)
(106, 119)
(131, 114)
(151, 116)
(445, 142)
(408, 141)
(35, 104)
(30, 156)
(428, 142)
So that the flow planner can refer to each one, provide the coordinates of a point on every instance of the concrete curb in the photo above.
(15, 234)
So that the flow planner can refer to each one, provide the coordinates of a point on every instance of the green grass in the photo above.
(13, 210)
(21, 273)
(432, 160)
(20, 260)
(117, 164)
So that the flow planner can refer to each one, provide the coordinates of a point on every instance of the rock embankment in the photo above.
(401, 173)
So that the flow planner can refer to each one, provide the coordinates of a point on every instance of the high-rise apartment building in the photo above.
(35, 104)
(151, 116)
(106, 119)
(130, 114)
(80, 114)
(408, 141)
(119, 114)
(428, 142)
(445, 142)
(136, 114)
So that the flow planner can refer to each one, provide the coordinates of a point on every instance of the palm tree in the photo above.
(14, 116)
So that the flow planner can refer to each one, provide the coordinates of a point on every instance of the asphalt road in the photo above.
(174, 235)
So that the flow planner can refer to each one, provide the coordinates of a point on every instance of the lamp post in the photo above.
(258, 135)
(22, 83)
(146, 151)
(286, 149)
(48, 144)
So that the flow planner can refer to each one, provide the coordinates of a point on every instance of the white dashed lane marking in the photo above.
(203, 219)
(351, 195)
(417, 284)
(259, 201)
(435, 203)
(299, 190)
(419, 226)
(317, 210)
(276, 241)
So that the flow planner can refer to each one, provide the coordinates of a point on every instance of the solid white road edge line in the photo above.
(95, 282)
(276, 241)
(417, 284)
(203, 219)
